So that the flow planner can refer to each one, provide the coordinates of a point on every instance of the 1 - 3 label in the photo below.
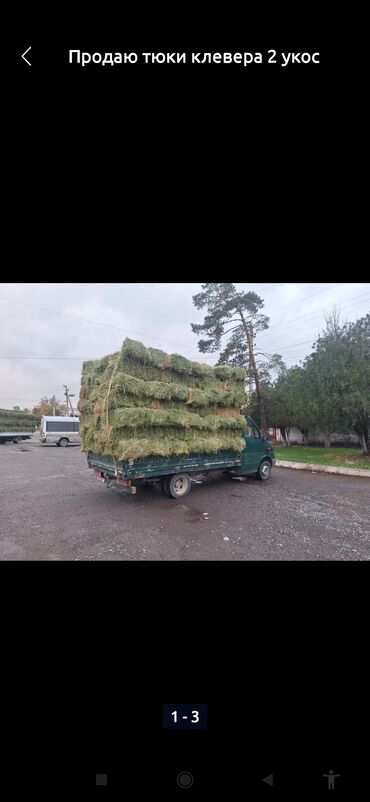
(194, 719)
(185, 716)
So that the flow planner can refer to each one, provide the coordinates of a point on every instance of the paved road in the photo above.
(53, 508)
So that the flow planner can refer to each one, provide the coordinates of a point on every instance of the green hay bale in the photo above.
(136, 350)
(142, 398)
(212, 391)
(13, 421)
(150, 372)
(85, 406)
(176, 443)
(129, 384)
(145, 371)
(201, 371)
(167, 391)
(161, 442)
(145, 417)
(161, 360)
(196, 397)
(118, 400)
(127, 402)
(132, 448)
(227, 372)
(158, 358)
(180, 364)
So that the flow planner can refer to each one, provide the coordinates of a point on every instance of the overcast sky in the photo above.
(38, 320)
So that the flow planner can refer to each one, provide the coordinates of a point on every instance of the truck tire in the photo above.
(165, 486)
(264, 470)
(63, 442)
(178, 485)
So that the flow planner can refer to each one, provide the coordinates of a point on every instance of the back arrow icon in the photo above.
(269, 779)
(24, 56)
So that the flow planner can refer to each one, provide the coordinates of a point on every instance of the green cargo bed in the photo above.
(153, 467)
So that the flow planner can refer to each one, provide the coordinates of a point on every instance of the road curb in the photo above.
(306, 466)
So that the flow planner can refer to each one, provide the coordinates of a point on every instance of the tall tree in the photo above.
(299, 392)
(326, 370)
(335, 391)
(279, 407)
(356, 397)
(330, 391)
(238, 314)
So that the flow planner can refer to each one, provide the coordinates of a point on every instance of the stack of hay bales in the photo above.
(143, 402)
(13, 421)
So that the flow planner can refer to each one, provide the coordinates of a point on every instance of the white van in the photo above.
(59, 430)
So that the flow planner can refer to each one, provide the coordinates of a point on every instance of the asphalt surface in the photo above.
(53, 508)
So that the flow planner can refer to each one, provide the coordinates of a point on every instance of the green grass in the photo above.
(340, 457)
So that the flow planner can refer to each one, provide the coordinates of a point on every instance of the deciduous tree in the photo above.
(45, 407)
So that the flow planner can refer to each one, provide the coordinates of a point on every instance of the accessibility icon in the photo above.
(331, 777)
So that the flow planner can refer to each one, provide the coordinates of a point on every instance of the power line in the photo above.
(312, 317)
(79, 358)
(293, 345)
(354, 349)
(118, 328)
(87, 359)
(306, 342)
(97, 323)
(305, 297)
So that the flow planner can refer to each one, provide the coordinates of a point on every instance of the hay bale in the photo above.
(13, 421)
(141, 401)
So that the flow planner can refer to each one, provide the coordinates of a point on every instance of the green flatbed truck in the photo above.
(14, 437)
(177, 474)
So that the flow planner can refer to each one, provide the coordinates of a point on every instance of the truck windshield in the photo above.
(251, 431)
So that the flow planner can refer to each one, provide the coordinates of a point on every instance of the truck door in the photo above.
(255, 447)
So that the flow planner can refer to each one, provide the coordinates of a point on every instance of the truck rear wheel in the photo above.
(264, 470)
(165, 486)
(177, 486)
(63, 442)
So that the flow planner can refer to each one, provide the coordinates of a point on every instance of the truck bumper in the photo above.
(124, 485)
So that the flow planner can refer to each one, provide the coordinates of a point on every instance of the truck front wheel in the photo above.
(177, 486)
(264, 470)
(63, 442)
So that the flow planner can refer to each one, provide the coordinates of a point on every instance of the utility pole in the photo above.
(68, 396)
(53, 402)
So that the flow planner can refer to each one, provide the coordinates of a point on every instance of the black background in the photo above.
(92, 652)
(179, 173)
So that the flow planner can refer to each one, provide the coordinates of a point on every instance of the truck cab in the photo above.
(258, 455)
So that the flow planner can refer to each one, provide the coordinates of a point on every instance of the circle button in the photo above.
(185, 779)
